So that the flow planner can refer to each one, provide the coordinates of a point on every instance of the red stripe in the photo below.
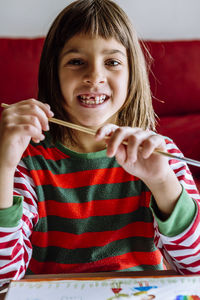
(22, 170)
(82, 178)
(92, 208)
(21, 186)
(29, 222)
(47, 153)
(190, 192)
(14, 261)
(8, 244)
(188, 181)
(183, 168)
(26, 255)
(191, 265)
(187, 256)
(8, 275)
(188, 272)
(12, 274)
(14, 252)
(91, 239)
(174, 161)
(121, 262)
(3, 234)
(167, 141)
(177, 245)
(174, 151)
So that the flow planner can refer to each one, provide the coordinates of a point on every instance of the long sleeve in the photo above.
(16, 225)
(178, 238)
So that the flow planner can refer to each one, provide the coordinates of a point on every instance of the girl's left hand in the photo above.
(137, 157)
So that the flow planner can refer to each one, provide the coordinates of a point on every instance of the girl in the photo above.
(82, 203)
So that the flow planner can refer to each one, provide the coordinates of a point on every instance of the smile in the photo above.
(91, 99)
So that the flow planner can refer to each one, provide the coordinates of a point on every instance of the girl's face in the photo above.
(93, 76)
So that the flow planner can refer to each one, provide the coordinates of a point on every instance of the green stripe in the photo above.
(93, 224)
(86, 255)
(45, 143)
(71, 165)
(82, 156)
(89, 193)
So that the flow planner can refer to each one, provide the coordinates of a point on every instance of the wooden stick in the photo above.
(93, 132)
(64, 123)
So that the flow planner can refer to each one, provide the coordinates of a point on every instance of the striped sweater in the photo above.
(77, 212)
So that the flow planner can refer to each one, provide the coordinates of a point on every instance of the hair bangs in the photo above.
(93, 18)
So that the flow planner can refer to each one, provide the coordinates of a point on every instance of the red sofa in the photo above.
(174, 79)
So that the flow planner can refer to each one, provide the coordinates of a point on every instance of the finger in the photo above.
(24, 130)
(25, 120)
(135, 141)
(153, 142)
(121, 134)
(34, 108)
(105, 131)
(13, 119)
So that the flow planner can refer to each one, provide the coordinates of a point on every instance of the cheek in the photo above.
(122, 85)
(65, 82)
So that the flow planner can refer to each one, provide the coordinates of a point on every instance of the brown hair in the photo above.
(106, 19)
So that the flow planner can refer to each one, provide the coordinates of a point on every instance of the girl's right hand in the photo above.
(20, 123)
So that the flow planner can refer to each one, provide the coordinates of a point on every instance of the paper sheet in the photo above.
(163, 288)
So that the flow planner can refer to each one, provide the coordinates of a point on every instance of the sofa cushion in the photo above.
(175, 76)
(19, 61)
(185, 132)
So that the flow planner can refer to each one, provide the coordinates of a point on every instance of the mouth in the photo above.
(92, 99)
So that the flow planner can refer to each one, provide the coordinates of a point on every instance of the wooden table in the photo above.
(94, 276)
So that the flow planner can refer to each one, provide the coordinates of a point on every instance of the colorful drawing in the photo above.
(116, 289)
(169, 288)
(143, 288)
(184, 297)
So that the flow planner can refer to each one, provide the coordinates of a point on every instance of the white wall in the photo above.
(153, 19)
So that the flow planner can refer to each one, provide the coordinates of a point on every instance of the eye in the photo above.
(112, 63)
(75, 62)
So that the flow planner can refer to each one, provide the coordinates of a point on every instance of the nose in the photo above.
(95, 75)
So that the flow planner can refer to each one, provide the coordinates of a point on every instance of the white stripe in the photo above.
(171, 146)
(187, 242)
(10, 229)
(194, 270)
(4, 263)
(187, 186)
(192, 259)
(26, 183)
(28, 178)
(184, 252)
(26, 194)
(30, 211)
(9, 237)
(178, 165)
(6, 252)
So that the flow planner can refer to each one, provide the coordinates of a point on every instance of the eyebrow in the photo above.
(110, 52)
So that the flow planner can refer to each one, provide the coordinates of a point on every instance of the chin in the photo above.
(92, 123)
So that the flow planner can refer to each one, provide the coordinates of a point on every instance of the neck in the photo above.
(84, 143)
